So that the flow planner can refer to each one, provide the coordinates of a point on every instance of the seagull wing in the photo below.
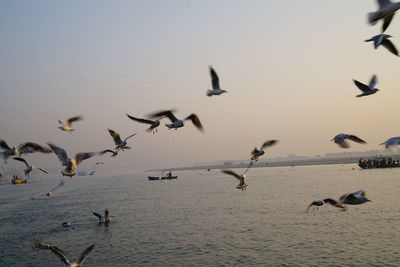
(373, 81)
(254, 151)
(61, 154)
(389, 46)
(105, 151)
(269, 143)
(195, 120)
(383, 3)
(140, 120)
(166, 113)
(132, 135)
(84, 254)
(97, 215)
(73, 119)
(60, 255)
(82, 156)
(22, 160)
(31, 147)
(214, 78)
(359, 193)
(362, 86)
(234, 174)
(4, 145)
(386, 22)
(355, 139)
(115, 136)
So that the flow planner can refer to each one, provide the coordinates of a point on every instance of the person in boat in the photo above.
(169, 174)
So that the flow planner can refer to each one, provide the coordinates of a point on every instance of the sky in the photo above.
(287, 66)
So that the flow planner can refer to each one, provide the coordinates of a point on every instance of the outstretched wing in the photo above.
(82, 156)
(73, 119)
(22, 160)
(140, 120)
(386, 22)
(383, 3)
(84, 254)
(132, 135)
(61, 154)
(195, 120)
(214, 78)
(97, 215)
(166, 113)
(4, 145)
(60, 255)
(269, 143)
(31, 147)
(389, 46)
(105, 151)
(361, 86)
(234, 174)
(115, 136)
(373, 81)
(355, 139)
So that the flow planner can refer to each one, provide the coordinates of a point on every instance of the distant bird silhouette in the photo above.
(256, 153)
(367, 89)
(25, 148)
(106, 219)
(383, 39)
(176, 123)
(50, 193)
(386, 11)
(120, 145)
(349, 198)
(29, 168)
(67, 126)
(340, 139)
(391, 142)
(80, 260)
(70, 164)
(216, 89)
(153, 124)
(113, 152)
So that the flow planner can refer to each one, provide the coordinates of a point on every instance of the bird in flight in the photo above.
(176, 123)
(355, 198)
(367, 89)
(383, 39)
(29, 168)
(153, 124)
(120, 145)
(386, 11)
(340, 139)
(67, 126)
(216, 89)
(78, 262)
(256, 153)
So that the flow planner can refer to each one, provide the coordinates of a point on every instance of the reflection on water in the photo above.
(202, 219)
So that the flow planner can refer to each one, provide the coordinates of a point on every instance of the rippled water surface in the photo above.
(201, 219)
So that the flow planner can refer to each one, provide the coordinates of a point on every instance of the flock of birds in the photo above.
(386, 12)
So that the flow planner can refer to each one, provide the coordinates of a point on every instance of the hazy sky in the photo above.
(288, 67)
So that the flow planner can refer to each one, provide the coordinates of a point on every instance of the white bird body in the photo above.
(67, 126)
(120, 144)
(216, 89)
(391, 142)
(340, 139)
(386, 11)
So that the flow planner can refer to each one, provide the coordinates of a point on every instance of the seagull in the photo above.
(25, 148)
(387, 10)
(394, 141)
(113, 152)
(80, 260)
(41, 245)
(242, 178)
(340, 139)
(55, 188)
(29, 168)
(349, 198)
(258, 153)
(178, 123)
(216, 90)
(106, 219)
(367, 89)
(383, 39)
(153, 124)
(70, 164)
(67, 126)
(120, 145)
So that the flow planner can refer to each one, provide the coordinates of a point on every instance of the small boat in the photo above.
(153, 178)
(17, 180)
(378, 163)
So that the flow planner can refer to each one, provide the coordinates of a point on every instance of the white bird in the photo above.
(120, 145)
(29, 168)
(176, 123)
(67, 126)
(25, 148)
(216, 89)
(80, 260)
(340, 139)
(383, 39)
(70, 164)
(256, 153)
(349, 198)
(153, 124)
(242, 178)
(387, 10)
(106, 219)
(367, 89)
(391, 142)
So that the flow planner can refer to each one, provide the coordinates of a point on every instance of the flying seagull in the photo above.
(80, 260)
(340, 139)
(120, 145)
(106, 219)
(383, 39)
(391, 142)
(153, 124)
(67, 126)
(387, 10)
(70, 164)
(242, 178)
(216, 89)
(176, 123)
(258, 153)
(350, 199)
(25, 148)
(29, 168)
(367, 89)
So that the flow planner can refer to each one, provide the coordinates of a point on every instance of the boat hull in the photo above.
(155, 178)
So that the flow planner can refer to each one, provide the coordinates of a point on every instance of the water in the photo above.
(201, 219)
